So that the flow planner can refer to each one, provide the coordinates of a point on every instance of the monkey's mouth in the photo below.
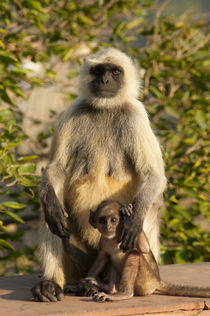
(109, 235)
(105, 93)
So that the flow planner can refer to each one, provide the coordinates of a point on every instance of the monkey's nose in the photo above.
(105, 79)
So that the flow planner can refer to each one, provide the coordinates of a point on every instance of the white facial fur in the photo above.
(130, 88)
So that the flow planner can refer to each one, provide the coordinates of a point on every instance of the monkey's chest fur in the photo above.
(117, 256)
(88, 191)
(97, 170)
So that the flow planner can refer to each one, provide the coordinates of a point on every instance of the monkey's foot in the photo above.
(87, 287)
(101, 297)
(47, 291)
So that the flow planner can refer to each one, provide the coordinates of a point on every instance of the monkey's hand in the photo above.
(54, 214)
(128, 231)
(126, 210)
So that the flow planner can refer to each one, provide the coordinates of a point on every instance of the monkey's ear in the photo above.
(92, 219)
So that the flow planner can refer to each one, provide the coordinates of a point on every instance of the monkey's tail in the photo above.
(183, 290)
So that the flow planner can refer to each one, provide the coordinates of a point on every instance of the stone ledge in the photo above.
(16, 298)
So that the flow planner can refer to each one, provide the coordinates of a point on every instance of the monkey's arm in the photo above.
(144, 155)
(52, 188)
(131, 226)
(54, 212)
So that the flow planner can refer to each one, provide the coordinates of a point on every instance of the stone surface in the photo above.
(16, 298)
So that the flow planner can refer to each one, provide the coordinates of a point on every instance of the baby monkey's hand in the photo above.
(126, 209)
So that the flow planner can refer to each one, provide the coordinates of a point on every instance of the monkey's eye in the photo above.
(116, 72)
(113, 220)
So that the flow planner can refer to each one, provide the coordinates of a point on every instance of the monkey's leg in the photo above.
(91, 285)
(127, 281)
(51, 254)
(109, 286)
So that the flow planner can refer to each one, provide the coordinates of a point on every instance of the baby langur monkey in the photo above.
(134, 272)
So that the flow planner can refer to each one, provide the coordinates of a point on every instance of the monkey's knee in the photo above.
(47, 291)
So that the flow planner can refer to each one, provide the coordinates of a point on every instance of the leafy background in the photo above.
(171, 47)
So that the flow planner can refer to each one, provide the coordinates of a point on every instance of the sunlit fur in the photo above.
(103, 134)
(137, 269)
(52, 251)
(130, 88)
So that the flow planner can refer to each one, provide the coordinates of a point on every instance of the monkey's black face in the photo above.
(107, 80)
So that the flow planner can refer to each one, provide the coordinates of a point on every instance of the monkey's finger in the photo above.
(130, 206)
(130, 209)
(124, 243)
(128, 243)
(99, 297)
(53, 228)
(103, 298)
(65, 227)
(129, 212)
(95, 297)
(123, 210)
(121, 235)
(50, 297)
(38, 295)
(131, 244)
(59, 295)
(126, 209)
(51, 291)
(65, 231)
(52, 224)
(120, 232)
(58, 229)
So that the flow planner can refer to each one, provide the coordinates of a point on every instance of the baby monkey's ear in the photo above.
(92, 219)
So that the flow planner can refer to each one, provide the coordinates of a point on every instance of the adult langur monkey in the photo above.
(103, 148)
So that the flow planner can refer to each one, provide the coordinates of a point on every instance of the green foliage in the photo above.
(174, 55)
(18, 184)
(176, 94)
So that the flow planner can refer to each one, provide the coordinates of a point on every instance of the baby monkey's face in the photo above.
(107, 222)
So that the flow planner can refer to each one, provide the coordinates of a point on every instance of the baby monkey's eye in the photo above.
(116, 72)
(113, 219)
